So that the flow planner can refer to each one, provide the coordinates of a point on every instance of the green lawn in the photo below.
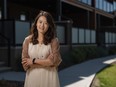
(107, 76)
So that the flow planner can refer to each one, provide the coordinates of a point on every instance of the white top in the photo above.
(40, 51)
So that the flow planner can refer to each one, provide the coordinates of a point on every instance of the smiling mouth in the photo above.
(41, 28)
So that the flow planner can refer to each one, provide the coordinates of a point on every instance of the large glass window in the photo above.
(112, 9)
(61, 33)
(0, 14)
(86, 1)
(108, 7)
(113, 36)
(97, 3)
(22, 17)
(101, 4)
(21, 31)
(87, 36)
(93, 36)
(114, 5)
(104, 5)
(81, 35)
(74, 35)
(110, 37)
(106, 37)
(89, 2)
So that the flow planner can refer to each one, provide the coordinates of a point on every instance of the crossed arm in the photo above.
(54, 59)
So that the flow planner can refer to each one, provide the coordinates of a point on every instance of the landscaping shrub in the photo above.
(78, 54)
(112, 50)
(83, 53)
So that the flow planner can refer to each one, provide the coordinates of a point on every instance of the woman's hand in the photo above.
(27, 62)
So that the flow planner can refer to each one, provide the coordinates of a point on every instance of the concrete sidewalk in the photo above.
(80, 75)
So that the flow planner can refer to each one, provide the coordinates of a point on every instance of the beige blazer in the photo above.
(54, 57)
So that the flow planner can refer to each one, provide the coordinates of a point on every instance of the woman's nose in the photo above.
(42, 24)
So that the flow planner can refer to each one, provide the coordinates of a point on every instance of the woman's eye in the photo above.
(46, 23)
(40, 21)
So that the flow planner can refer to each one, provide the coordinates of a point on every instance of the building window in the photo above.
(23, 17)
(0, 14)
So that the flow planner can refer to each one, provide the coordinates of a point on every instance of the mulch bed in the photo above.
(6, 83)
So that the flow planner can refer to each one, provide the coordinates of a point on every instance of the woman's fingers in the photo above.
(26, 61)
(26, 64)
(23, 62)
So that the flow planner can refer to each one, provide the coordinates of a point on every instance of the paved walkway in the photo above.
(80, 75)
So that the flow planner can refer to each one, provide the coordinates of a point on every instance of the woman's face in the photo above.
(42, 24)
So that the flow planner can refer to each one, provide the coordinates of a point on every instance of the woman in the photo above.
(40, 53)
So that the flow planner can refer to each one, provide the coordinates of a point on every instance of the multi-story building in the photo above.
(79, 22)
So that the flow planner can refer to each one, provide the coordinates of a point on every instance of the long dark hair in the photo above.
(50, 33)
